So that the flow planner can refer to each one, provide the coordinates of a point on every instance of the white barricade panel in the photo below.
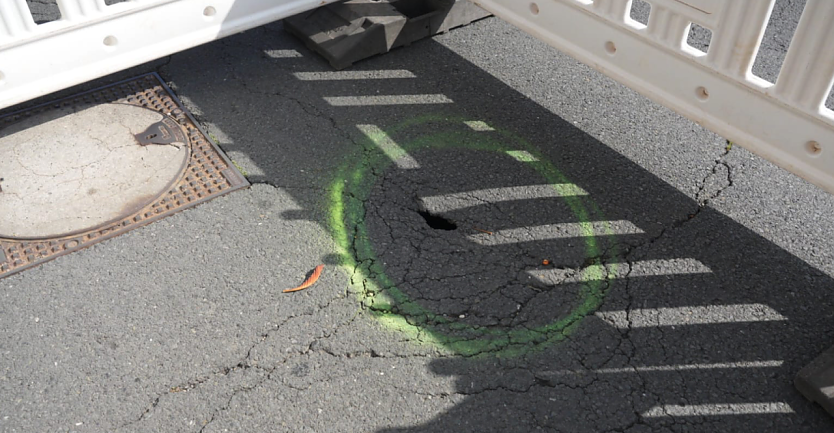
(785, 122)
(92, 39)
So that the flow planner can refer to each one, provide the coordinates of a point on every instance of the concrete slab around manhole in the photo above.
(95, 165)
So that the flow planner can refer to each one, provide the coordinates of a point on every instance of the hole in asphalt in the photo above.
(437, 222)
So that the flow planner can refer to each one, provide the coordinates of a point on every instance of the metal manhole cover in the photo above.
(72, 169)
(92, 166)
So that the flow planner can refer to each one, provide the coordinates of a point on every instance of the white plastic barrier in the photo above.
(93, 39)
(785, 122)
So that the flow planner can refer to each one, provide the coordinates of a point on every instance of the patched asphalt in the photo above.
(462, 289)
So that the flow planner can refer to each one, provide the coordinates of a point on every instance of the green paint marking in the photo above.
(393, 308)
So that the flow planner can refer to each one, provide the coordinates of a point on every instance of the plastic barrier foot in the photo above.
(344, 33)
(816, 380)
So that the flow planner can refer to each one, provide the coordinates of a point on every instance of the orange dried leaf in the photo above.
(309, 281)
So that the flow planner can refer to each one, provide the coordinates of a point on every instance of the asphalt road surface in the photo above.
(512, 242)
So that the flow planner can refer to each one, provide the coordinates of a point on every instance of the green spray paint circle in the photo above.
(350, 191)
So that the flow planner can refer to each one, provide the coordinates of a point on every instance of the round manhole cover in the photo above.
(77, 168)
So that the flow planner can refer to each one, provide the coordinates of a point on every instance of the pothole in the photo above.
(438, 222)
(477, 260)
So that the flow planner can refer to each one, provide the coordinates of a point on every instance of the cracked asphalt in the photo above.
(578, 260)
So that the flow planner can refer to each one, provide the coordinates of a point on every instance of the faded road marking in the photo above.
(461, 200)
(682, 266)
(282, 54)
(522, 155)
(389, 147)
(350, 101)
(717, 409)
(557, 231)
(700, 315)
(478, 125)
(644, 268)
(354, 75)
(675, 367)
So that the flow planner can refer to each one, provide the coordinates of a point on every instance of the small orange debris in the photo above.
(482, 231)
(309, 281)
(545, 262)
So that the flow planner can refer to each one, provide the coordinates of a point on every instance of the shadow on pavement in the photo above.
(672, 317)
(696, 324)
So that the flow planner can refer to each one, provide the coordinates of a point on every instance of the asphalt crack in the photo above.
(243, 364)
(725, 180)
